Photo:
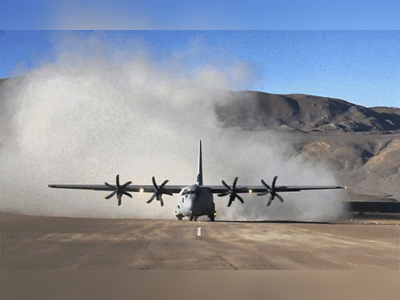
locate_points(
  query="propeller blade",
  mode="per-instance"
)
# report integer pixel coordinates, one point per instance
(265, 184)
(234, 183)
(163, 184)
(118, 190)
(232, 192)
(111, 195)
(151, 199)
(227, 186)
(268, 191)
(158, 191)
(263, 193)
(271, 190)
(279, 197)
(274, 181)
(126, 184)
(109, 185)
(127, 194)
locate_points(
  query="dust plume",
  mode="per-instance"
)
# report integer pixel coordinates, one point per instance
(98, 111)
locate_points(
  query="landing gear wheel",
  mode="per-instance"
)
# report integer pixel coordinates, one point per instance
(212, 218)
(179, 218)
(191, 217)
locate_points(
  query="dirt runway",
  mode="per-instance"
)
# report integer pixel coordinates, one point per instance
(31, 242)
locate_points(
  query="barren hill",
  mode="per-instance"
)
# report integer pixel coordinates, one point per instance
(361, 144)
(256, 110)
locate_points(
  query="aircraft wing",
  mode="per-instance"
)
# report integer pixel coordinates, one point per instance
(130, 188)
(261, 190)
(125, 189)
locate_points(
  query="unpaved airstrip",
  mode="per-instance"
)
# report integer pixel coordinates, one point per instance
(33, 242)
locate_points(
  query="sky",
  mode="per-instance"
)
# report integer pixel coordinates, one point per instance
(210, 15)
(361, 67)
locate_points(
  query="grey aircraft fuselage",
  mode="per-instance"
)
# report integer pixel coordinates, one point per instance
(195, 201)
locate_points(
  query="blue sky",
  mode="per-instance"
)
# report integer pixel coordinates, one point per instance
(362, 67)
(183, 14)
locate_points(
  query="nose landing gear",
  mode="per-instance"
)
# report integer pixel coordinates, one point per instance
(212, 216)
(179, 216)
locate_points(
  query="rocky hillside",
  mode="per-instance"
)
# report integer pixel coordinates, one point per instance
(361, 144)
(256, 110)
(368, 164)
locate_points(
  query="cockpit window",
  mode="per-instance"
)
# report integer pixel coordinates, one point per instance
(188, 193)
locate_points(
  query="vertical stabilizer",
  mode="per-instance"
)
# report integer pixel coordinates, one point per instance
(200, 167)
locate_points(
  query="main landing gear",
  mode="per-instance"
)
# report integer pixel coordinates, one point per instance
(193, 217)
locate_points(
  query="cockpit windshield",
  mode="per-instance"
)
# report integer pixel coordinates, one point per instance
(188, 192)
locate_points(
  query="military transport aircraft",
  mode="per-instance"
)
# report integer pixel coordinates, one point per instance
(195, 200)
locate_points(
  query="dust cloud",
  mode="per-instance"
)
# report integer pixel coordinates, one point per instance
(96, 112)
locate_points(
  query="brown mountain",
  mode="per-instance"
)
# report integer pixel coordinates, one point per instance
(256, 110)
(361, 144)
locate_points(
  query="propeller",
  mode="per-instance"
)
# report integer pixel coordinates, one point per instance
(271, 190)
(158, 192)
(119, 190)
(232, 192)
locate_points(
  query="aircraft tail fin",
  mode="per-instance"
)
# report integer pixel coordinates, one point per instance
(200, 167)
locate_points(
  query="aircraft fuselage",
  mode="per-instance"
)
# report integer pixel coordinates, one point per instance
(195, 201)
